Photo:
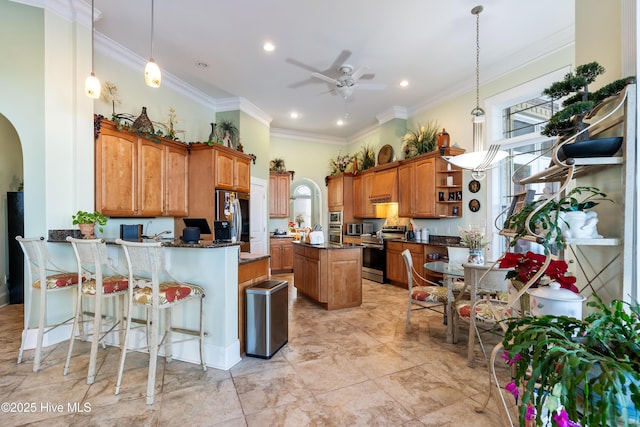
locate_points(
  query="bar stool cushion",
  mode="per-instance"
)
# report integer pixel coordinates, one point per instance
(61, 280)
(110, 284)
(437, 294)
(169, 292)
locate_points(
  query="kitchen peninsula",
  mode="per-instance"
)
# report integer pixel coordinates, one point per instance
(214, 267)
(328, 273)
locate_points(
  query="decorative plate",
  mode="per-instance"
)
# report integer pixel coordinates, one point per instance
(474, 186)
(474, 205)
(385, 154)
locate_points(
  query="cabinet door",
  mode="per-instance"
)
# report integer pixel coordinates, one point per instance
(425, 189)
(242, 175)
(224, 169)
(406, 190)
(312, 277)
(177, 182)
(396, 270)
(385, 186)
(287, 256)
(279, 195)
(417, 255)
(299, 270)
(276, 256)
(151, 178)
(358, 196)
(116, 164)
(369, 207)
(335, 193)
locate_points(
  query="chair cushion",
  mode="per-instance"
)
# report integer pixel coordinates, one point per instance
(110, 284)
(57, 281)
(435, 294)
(483, 313)
(170, 292)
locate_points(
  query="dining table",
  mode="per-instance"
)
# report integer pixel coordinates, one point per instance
(451, 274)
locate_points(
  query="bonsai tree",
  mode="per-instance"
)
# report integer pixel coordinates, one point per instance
(546, 220)
(569, 120)
(82, 217)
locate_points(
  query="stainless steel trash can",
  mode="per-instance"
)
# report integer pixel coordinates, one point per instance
(267, 323)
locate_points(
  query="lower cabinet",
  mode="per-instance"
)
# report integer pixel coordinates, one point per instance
(396, 269)
(281, 251)
(332, 277)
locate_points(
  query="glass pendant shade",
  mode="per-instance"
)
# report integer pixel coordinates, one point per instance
(92, 86)
(152, 75)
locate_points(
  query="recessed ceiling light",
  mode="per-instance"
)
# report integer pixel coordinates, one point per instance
(269, 47)
(404, 83)
(293, 115)
(340, 122)
(201, 64)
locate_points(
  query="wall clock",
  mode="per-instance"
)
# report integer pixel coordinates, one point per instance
(474, 186)
(474, 205)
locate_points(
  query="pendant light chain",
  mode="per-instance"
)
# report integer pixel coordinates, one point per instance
(478, 59)
(152, 28)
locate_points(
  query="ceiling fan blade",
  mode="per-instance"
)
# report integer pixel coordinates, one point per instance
(372, 86)
(341, 59)
(325, 78)
(301, 65)
(357, 74)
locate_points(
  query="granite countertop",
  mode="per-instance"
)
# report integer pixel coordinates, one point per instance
(246, 257)
(60, 236)
(328, 245)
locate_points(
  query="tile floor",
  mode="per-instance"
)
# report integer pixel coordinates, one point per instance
(352, 367)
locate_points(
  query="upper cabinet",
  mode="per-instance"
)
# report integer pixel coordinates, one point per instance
(448, 182)
(232, 170)
(340, 195)
(362, 205)
(279, 190)
(385, 186)
(135, 176)
(415, 198)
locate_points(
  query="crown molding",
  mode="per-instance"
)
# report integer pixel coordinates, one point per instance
(395, 112)
(244, 105)
(306, 136)
(70, 10)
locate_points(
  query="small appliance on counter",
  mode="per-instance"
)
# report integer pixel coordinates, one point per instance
(316, 238)
(191, 235)
(359, 228)
(280, 232)
(222, 230)
(131, 232)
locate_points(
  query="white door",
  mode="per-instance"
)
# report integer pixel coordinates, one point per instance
(258, 216)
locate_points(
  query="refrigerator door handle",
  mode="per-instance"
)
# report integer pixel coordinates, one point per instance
(237, 219)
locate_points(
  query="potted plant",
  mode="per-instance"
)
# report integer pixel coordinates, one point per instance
(420, 141)
(86, 221)
(340, 163)
(549, 216)
(366, 158)
(568, 371)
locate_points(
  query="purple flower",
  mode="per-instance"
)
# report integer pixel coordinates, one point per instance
(562, 419)
(513, 389)
(510, 361)
(531, 412)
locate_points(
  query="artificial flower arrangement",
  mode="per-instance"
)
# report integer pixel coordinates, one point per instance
(340, 163)
(569, 372)
(292, 226)
(525, 266)
(473, 236)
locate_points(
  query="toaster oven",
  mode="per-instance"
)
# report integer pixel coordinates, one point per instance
(359, 228)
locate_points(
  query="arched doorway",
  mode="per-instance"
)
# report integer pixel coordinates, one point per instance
(305, 202)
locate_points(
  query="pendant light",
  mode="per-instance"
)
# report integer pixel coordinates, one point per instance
(152, 76)
(92, 84)
(478, 160)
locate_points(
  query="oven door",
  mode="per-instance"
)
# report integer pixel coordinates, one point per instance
(335, 234)
(374, 263)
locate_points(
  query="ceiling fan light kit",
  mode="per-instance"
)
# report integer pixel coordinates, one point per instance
(478, 160)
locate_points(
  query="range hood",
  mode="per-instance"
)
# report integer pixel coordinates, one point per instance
(385, 186)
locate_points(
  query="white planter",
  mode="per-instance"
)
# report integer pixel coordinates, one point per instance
(555, 301)
(579, 224)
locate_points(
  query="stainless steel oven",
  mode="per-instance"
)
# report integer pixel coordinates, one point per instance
(374, 258)
(335, 233)
(335, 218)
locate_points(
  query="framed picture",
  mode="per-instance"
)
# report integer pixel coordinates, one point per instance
(519, 201)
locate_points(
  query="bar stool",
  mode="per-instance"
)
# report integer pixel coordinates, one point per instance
(56, 279)
(155, 289)
(102, 282)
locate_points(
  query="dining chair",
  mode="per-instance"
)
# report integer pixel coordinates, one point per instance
(486, 284)
(423, 293)
(46, 278)
(153, 287)
(102, 283)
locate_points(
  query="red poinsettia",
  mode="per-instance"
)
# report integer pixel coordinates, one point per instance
(525, 266)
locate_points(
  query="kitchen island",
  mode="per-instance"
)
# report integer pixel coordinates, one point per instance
(330, 274)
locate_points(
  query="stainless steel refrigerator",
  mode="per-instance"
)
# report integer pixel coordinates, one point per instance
(234, 207)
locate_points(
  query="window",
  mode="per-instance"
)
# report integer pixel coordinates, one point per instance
(301, 209)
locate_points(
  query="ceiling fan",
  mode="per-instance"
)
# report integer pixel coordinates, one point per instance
(347, 81)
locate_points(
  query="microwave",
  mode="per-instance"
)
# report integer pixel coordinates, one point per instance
(358, 228)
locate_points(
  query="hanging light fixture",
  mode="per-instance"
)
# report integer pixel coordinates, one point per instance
(478, 160)
(92, 84)
(152, 76)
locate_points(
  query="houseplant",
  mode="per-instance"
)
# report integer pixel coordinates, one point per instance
(420, 141)
(474, 238)
(366, 158)
(577, 371)
(86, 221)
(545, 218)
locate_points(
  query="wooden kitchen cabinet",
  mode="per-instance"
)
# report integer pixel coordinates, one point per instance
(417, 188)
(384, 188)
(362, 206)
(136, 176)
(231, 171)
(281, 251)
(279, 193)
(396, 268)
(448, 186)
(340, 193)
(332, 277)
